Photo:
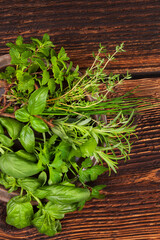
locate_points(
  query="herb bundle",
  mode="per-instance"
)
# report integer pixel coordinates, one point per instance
(53, 137)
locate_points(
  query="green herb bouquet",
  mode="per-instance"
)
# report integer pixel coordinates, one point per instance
(58, 132)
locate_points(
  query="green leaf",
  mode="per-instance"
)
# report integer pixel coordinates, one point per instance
(51, 85)
(19, 212)
(88, 148)
(40, 63)
(22, 115)
(15, 166)
(26, 55)
(45, 38)
(38, 124)
(37, 41)
(19, 40)
(29, 184)
(6, 141)
(62, 194)
(58, 210)
(46, 224)
(26, 82)
(12, 125)
(15, 56)
(44, 155)
(95, 192)
(37, 101)
(45, 77)
(91, 174)
(42, 178)
(26, 155)
(27, 139)
(54, 176)
(87, 163)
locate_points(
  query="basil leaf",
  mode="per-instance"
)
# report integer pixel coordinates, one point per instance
(27, 156)
(58, 210)
(29, 184)
(19, 212)
(27, 139)
(37, 101)
(22, 115)
(46, 224)
(38, 124)
(18, 167)
(5, 141)
(62, 194)
(12, 125)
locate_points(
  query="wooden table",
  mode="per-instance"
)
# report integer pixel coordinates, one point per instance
(131, 209)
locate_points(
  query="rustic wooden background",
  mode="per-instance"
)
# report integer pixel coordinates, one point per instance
(131, 209)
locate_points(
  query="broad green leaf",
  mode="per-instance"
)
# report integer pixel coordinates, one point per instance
(19, 212)
(27, 139)
(30, 184)
(46, 224)
(26, 155)
(12, 125)
(62, 194)
(38, 124)
(22, 115)
(6, 141)
(18, 167)
(37, 101)
(58, 210)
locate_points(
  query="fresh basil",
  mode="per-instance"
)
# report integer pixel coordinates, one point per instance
(19, 212)
(27, 139)
(12, 125)
(37, 101)
(18, 167)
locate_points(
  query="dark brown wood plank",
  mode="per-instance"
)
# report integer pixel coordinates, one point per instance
(80, 26)
(131, 209)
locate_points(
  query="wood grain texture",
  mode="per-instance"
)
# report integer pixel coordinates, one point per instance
(131, 209)
(81, 25)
